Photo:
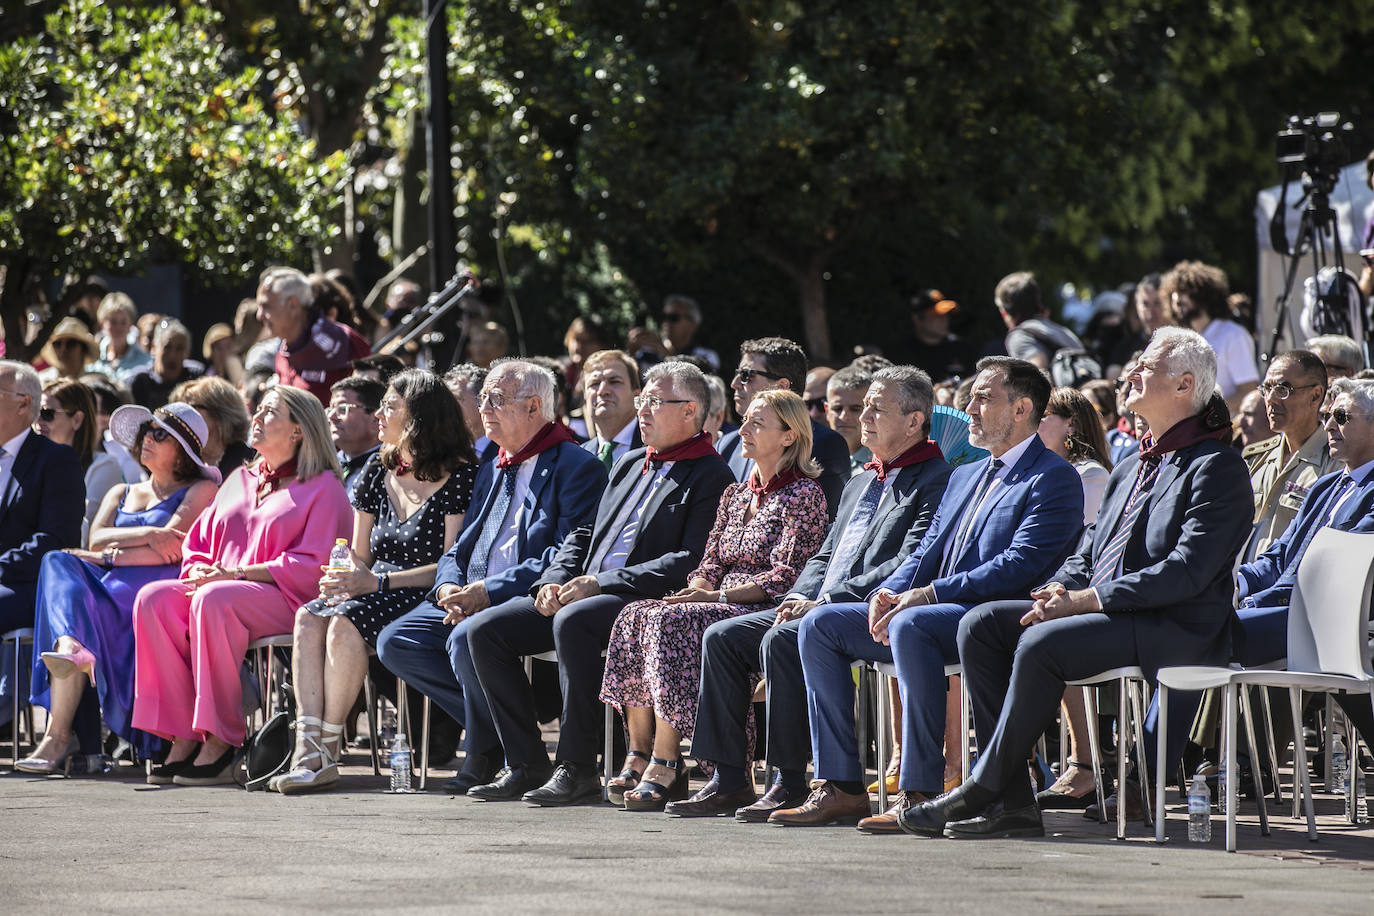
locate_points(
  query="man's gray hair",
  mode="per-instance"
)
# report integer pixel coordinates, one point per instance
(534, 381)
(913, 389)
(688, 381)
(25, 380)
(1337, 350)
(470, 375)
(1184, 351)
(688, 303)
(850, 378)
(719, 395)
(284, 283)
(1361, 392)
(168, 328)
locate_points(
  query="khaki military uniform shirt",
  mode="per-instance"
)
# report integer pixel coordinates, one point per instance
(1280, 489)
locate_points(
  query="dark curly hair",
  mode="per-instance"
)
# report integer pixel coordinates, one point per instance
(435, 434)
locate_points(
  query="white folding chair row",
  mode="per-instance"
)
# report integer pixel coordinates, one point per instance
(1328, 652)
(1131, 707)
(886, 670)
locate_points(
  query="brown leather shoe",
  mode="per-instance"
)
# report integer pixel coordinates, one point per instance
(887, 821)
(825, 805)
(711, 802)
(774, 799)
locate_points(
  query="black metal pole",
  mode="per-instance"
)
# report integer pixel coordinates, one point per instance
(443, 258)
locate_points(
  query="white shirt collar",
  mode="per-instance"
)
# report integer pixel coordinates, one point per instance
(1013, 454)
(1357, 474)
(13, 446)
(626, 436)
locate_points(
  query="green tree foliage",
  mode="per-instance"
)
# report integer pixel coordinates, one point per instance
(129, 141)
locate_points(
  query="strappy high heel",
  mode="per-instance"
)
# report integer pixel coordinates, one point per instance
(654, 796)
(317, 741)
(627, 778)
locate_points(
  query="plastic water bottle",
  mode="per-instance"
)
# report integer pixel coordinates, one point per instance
(1359, 812)
(1199, 811)
(1338, 763)
(340, 561)
(400, 764)
(1222, 797)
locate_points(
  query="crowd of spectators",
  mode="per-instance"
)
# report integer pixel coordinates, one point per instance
(1039, 507)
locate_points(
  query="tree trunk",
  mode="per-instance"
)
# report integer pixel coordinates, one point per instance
(13, 306)
(815, 326)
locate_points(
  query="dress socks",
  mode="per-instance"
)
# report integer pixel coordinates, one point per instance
(793, 782)
(851, 787)
(730, 778)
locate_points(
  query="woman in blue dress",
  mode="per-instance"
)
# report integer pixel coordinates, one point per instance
(85, 597)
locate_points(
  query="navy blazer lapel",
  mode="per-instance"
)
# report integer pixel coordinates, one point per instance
(660, 493)
(19, 470)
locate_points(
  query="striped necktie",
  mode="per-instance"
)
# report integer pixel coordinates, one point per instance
(848, 549)
(1105, 565)
(492, 525)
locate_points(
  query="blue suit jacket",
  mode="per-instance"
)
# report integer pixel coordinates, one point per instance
(564, 492)
(1264, 579)
(828, 448)
(1175, 579)
(41, 509)
(1025, 528)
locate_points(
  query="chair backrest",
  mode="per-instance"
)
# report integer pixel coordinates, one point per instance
(1327, 618)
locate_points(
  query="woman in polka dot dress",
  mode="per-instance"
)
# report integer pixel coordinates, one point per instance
(409, 506)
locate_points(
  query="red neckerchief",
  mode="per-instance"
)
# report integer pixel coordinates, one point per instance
(921, 451)
(270, 478)
(1214, 422)
(779, 481)
(552, 434)
(699, 446)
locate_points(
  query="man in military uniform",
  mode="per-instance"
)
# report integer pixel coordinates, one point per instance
(1283, 467)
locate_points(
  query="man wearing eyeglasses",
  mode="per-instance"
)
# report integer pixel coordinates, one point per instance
(649, 533)
(776, 362)
(541, 486)
(1284, 467)
(353, 403)
(42, 504)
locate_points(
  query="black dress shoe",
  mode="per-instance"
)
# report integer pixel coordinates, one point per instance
(930, 818)
(571, 784)
(711, 802)
(998, 822)
(775, 799)
(511, 783)
(478, 769)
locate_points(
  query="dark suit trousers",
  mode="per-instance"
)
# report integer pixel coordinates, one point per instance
(16, 611)
(731, 651)
(1016, 677)
(498, 641)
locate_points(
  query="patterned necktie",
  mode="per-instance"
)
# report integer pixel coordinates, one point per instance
(956, 544)
(1327, 513)
(492, 525)
(1106, 563)
(843, 558)
(607, 453)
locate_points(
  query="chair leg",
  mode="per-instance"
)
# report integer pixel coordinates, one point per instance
(1328, 742)
(1122, 718)
(1161, 730)
(370, 700)
(861, 701)
(1063, 739)
(1090, 709)
(1138, 714)
(1255, 768)
(424, 745)
(880, 690)
(767, 765)
(607, 749)
(14, 722)
(1269, 740)
(965, 714)
(1303, 778)
(402, 708)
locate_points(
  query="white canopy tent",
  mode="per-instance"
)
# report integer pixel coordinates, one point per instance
(1354, 205)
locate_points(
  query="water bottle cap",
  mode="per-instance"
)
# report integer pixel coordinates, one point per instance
(341, 540)
(400, 736)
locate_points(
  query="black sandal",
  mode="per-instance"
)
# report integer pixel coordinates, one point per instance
(654, 796)
(627, 778)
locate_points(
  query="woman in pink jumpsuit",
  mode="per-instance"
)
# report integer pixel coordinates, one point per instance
(251, 559)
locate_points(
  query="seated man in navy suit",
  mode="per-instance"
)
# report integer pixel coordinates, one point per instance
(1150, 586)
(1003, 525)
(649, 533)
(42, 503)
(775, 362)
(540, 487)
(884, 514)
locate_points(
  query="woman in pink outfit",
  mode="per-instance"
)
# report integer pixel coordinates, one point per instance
(251, 559)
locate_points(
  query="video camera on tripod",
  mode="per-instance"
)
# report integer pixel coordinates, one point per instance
(1313, 149)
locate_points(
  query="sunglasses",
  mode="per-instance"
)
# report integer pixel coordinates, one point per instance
(1341, 416)
(744, 374)
(47, 414)
(815, 403)
(673, 317)
(156, 433)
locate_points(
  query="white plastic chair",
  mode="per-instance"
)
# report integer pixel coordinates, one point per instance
(885, 670)
(1327, 653)
(1130, 709)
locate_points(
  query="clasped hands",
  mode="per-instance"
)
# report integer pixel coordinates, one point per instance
(203, 574)
(886, 604)
(462, 601)
(552, 598)
(1054, 600)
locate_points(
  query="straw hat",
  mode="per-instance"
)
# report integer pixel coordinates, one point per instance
(214, 335)
(182, 420)
(70, 329)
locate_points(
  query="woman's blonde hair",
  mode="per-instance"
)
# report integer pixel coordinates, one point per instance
(791, 410)
(316, 452)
